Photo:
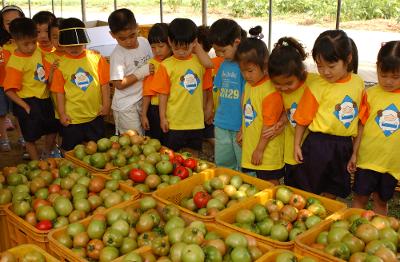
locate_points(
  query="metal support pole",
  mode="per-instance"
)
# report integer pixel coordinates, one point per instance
(204, 12)
(161, 12)
(115, 4)
(269, 25)
(29, 7)
(52, 5)
(83, 7)
(339, 8)
(2, 2)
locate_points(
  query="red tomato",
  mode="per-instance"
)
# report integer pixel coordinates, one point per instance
(54, 188)
(201, 199)
(40, 202)
(179, 159)
(368, 214)
(169, 152)
(181, 172)
(137, 175)
(190, 163)
(44, 225)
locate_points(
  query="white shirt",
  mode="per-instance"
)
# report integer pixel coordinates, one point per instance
(124, 62)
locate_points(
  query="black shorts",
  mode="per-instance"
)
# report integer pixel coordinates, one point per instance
(153, 115)
(40, 121)
(75, 134)
(290, 178)
(178, 139)
(324, 168)
(368, 181)
(266, 174)
(208, 131)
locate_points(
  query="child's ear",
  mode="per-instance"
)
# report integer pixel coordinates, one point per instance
(349, 59)
(236, 42)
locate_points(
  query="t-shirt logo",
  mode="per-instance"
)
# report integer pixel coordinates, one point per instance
(347, 111)
(249, 113)
(40, 74)
(388, 120)
(190, 81)
(290, 113)
(82, 79)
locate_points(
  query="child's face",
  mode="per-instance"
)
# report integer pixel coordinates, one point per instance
(75, 50)
(54, 35)
(43, 36)
(227, 52)
(161, 50)
(332, 71)
(251, 72)
(181, 51)
(8, 17)
(26, 45)
(127, 38)
(389, 81)
(285, 83)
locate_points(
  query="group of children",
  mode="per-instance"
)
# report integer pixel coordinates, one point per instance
(271, 118)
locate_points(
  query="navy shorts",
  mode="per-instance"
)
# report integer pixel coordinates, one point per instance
(40, 121)
(153, 115)
(75, 134)
(178, 139)
(368, 181)
(5, 103)
(266, 174)
(324, 168)
(208, 131)
(290, 178)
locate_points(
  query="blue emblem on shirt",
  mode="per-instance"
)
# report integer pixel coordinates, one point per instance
(290, 113)
(40, 74)
(346, 111)
(388, 120)
(190, 81)
(249, 113)
(81, 79)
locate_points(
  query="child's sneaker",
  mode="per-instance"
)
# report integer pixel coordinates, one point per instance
(55, 153)
(21, 142)
(5, 145)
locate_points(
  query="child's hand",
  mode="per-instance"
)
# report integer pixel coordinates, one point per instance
(256, 158)
(164, 125)
(65, 120)
(268, 132)
(208, 116)
(239, 137)
(55, 64)
(351, 165)
(298, 154)
(151, 69)
(104, 111)
(145, 122)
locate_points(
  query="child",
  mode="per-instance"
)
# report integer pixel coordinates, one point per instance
(81, 86)
(329, 108)
(262, 109)
(7, 14)
(226, 35)
(288, 75)
(182, 82)
(150, 117)
(25, 85)
(374, 159)
(43, 20)
(129, 66)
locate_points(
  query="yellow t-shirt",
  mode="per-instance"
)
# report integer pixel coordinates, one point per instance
(26, 74)
(50, 58)
(147, 82)
(262, 105)
(184, 82)
(380, 141)
(80, 79)
(331, 108)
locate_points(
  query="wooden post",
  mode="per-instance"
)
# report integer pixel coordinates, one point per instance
(83, 7)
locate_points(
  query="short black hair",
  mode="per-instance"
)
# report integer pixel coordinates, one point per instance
(224, 32)
(23, 27)
(158, 33)
(71, 23)
(389, 57)
(56, 24)
(182, 31)
(121, 19)
(203, 37)
(4, 35)
(44, 17)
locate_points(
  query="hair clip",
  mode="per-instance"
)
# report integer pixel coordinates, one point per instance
(259, 36)
(284, 43)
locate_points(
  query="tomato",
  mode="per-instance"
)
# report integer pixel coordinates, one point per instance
(40, 202)
(288, 213)
(265, 226)
(201, 199)
(145, 223)
(273, 205)
(174, 222)
(46, 213)
(339, 250)
(145, 239)
(181, 172)
(96, 184)
(245, 216)
(60, 222)
(147, 203)
(236, 240)
(96, 229)
(240, 254)
(192, 253)
(121, 226)
(192, 236)
(128, 245)
(169, 211)
(164, 167)
(160, 246)
(74, 229)
(63, 206)
(217, 243)
(113, 238)
(93, 248)
(31, 218)
(64, 240)
(21, 208)
(190, 163)
(169, 152)
(283, 194)
(279, 232)
(355, 244)
(33, 256)
(312, 221)
(44, 225)
(368, 214)
(179, 159)
(108, 253)
(80, 240)
(386, 254)
(317, 209)
(212, 254)
(367, 233)
(336, 234)
(137, 175)
(297, 201)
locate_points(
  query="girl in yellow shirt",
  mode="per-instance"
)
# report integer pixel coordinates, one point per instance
(262, 108)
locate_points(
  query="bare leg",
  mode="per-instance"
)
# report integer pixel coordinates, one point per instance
(328, 195)
(359, 201)
(49, 142)
(274, 181)
(3, 131)
(380, 206)
(32, 150)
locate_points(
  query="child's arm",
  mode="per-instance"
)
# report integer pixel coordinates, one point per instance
(277, 128)
(163, 99)
(64, 118)
(205, 60)
(208, 105)
(298, 137)
(19, 101)
(143, 115)
(105, 97)
(256, 158)
(53, 67)
(351, 166)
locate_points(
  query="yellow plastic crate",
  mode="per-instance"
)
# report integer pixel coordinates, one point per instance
(21, 250)
(272, 255)
(4, 239)
(174, 193)
(71, 157)
(227, 216)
